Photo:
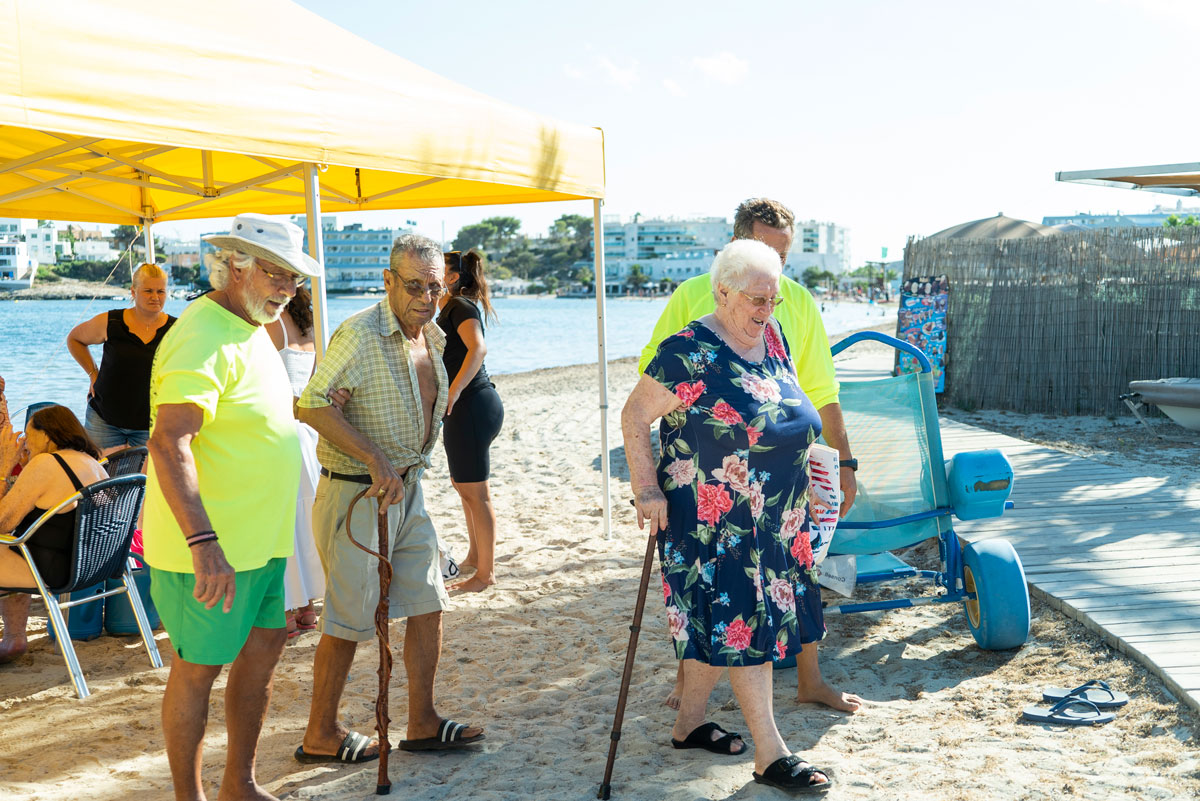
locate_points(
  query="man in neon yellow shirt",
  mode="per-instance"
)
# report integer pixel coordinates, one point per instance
(221, 497)
(772, 223)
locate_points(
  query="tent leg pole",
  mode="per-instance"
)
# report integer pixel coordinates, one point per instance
(148, 235)
(316, 249)
(598, 282)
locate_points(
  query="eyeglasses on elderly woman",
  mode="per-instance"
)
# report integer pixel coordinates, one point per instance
(759, 300)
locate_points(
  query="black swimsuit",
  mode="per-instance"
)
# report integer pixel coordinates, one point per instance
(478, 414)
(51, 546)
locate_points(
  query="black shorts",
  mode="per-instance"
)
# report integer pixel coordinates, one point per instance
(468, 433)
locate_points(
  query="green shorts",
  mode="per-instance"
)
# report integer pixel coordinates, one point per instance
(210, 636)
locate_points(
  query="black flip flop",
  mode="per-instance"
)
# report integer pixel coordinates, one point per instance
(350, 752)
(701, 737)
(449, 737)
(1096, 691)
(785, 773)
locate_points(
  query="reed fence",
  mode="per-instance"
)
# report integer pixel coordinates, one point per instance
(1061, 324)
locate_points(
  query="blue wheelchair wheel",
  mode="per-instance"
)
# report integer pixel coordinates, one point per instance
(999, 615)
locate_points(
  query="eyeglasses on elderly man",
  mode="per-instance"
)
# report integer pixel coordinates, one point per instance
(284, 279)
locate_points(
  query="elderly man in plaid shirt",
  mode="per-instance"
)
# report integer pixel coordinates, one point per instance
(389, 359)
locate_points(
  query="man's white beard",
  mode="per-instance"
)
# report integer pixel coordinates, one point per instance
(256, 307)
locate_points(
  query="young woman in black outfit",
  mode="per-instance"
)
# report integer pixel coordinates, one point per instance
(61, 460)
(474, 413)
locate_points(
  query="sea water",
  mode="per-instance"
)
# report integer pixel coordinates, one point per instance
(531, 333)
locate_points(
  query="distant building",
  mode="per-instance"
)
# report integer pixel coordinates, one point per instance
(819, 245)
(40, 240)
(673, 249)
(95, 250)
(17, 269)
(355, 257)
(1152, 219)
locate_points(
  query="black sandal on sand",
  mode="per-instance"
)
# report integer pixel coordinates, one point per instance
(350, 751)
(449, 736)
(786, 774)
(701, 737)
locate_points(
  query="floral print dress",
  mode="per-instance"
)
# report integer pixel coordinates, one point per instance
(737, 562)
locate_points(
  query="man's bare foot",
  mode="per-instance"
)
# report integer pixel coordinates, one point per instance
(474, 584)
(417, 732)
(834, 699)
(12, 649)
(329, 745)
(250, 791)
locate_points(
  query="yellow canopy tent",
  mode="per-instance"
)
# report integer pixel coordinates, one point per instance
(128, 111)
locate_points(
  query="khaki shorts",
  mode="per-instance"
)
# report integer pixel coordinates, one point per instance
(352, 576)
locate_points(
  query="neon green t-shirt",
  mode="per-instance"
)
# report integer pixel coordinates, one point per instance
(247, 452)
(798, 316)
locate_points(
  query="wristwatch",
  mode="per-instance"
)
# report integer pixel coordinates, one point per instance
(851, 463)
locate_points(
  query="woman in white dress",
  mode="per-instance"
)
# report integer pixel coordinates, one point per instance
(304, 579)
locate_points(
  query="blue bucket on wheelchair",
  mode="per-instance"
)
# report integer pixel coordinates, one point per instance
(84, 622)
(118, 613)
(979, 483)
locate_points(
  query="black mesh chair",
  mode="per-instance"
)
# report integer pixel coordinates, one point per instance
(126, 461)
(104, 520)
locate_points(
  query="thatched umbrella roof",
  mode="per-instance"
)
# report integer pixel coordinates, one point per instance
(998, 227)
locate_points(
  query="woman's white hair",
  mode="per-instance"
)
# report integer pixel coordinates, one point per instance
(741, 261)
(218, 265)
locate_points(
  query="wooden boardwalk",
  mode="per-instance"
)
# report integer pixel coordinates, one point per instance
(1116, 549)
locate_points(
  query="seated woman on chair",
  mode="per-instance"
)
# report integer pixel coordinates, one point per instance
(61, 460)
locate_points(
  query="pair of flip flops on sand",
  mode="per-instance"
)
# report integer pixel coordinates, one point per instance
(1082, 706)
(789, 773)
(449, 736)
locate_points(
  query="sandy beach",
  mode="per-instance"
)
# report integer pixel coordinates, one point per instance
(537, 661)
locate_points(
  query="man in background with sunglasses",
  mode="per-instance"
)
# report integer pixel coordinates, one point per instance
(389, 358)
(772, 223)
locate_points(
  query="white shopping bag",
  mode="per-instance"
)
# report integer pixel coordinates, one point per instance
(840, 574)
(824, 497)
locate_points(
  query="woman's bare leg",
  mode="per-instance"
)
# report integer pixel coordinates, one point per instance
(481, 528)
(14, 608)
(752, 687)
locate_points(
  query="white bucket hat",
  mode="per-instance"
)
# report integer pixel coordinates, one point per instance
(271, 240)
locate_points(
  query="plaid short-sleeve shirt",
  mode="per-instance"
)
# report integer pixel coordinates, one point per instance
(369, 355)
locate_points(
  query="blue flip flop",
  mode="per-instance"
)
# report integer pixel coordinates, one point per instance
(1096, 691)
(1068, 712)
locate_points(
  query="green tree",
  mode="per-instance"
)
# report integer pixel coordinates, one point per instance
(1191, 220)
(637, 276)
(585, 276)
(122, 236)
(506, 230)
(474, 236)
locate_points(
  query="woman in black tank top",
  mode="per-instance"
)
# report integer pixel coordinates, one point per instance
(118, 412)
(474, 414)
(53, 436)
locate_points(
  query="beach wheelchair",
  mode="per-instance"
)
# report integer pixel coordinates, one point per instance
(907, 494)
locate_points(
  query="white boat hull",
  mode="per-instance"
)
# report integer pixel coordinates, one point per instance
(1188, 418)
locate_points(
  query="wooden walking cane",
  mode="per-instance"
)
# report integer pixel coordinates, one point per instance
(619, 717)
(383, 785)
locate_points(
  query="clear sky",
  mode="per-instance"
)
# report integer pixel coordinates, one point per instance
(890, 118)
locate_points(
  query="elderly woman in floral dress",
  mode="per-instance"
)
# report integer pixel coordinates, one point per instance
(729, 502)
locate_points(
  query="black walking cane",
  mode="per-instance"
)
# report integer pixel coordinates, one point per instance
(383, 785)
(619, 717)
